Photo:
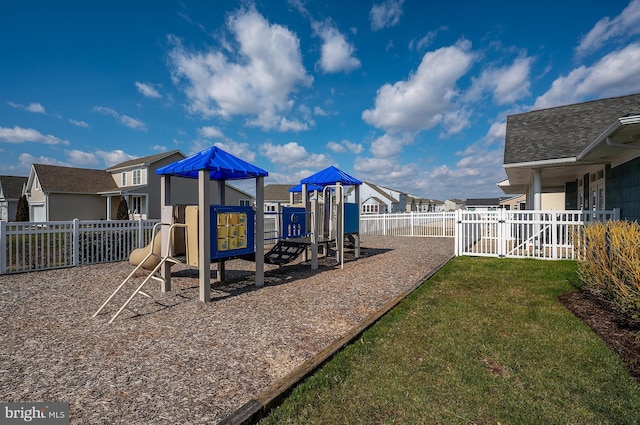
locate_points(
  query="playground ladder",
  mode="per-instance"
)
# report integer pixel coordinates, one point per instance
(153, 274)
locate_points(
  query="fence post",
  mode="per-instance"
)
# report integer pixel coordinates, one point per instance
(457, 232)
(554, 234)
(140, 233)
(3, 247)
(616, 213)
(76, 242)
(412, 224)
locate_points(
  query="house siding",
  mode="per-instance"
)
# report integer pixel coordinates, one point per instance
(69, 206)
(622, 189)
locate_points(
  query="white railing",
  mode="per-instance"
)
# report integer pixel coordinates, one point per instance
(408, 224)
(523, 234)
(31, 246)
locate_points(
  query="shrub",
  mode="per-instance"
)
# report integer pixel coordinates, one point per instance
(22, 212)
(123, 210)
(610, 264)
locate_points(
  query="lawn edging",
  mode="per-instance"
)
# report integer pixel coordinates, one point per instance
(252, 411)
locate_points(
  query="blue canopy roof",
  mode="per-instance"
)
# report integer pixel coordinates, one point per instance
(221, 165)
(331, 175)
(310, 188)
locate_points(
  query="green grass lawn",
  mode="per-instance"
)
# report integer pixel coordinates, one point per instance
(485, 341)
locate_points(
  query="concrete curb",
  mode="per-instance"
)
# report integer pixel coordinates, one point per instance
(255, 409)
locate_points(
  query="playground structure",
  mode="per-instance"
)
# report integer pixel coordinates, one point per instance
(205, 233)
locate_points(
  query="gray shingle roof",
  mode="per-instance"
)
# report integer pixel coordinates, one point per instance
(482, 202)
(12, 186)
(145, 160)
(277, 192)
(54, 178)
(564, 131)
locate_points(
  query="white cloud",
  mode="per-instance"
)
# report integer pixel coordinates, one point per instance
(385, 15)
(26, 160)
(254, 77)
(389, 145)
(22, 135)
(336, 147)
(320, 112)
(241, 150)
(420, 102)
(32, 107)
(81, 158)
(337, 55)
(148, 90)
(114, 157)
(345, 145)
(626, 24)
(210, 132)
(617, 73)
(78, 123)
(292, 155)
(507, 84)
(125, 120)
(426, 40)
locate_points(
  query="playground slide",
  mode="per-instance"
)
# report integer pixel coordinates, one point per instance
(139, 255)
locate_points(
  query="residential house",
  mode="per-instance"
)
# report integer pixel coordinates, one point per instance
(550, 201)
(589, 151)
(482, 204)
(64, 193)
(11, 188)
(276, 195)
(415, 204)
(449, 205)
(376, 199)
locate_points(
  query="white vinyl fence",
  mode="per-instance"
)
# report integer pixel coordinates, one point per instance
(408, 224)
(26, 246)
(523, 234)
(517, 234)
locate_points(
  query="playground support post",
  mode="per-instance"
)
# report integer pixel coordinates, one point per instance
(165, 204)
(204, 240)
(259, 240)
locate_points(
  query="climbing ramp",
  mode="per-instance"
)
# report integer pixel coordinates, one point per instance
(284, 252)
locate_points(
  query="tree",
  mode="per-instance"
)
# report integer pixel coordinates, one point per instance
(22, 211)
(123, 210)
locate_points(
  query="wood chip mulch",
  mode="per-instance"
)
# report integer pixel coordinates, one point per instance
(179, 360)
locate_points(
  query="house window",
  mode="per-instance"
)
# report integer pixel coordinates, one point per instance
(136, 205)
(124, 179)
(245, 202)
(137, 177)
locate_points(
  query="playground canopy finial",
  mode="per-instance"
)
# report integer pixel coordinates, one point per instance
(331, 175)
(220, 164)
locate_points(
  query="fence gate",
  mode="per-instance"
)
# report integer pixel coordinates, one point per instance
(523, 234)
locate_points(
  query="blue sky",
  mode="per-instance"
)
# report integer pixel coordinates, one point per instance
(409, 94)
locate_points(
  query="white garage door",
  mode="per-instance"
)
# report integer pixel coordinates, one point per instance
(38, 213)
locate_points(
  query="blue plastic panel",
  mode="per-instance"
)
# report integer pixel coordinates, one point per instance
(351, 218)
(294, 222)
(232, 231)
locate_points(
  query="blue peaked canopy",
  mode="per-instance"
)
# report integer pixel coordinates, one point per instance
(220, 164)
(330, 175)
(310, 188)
